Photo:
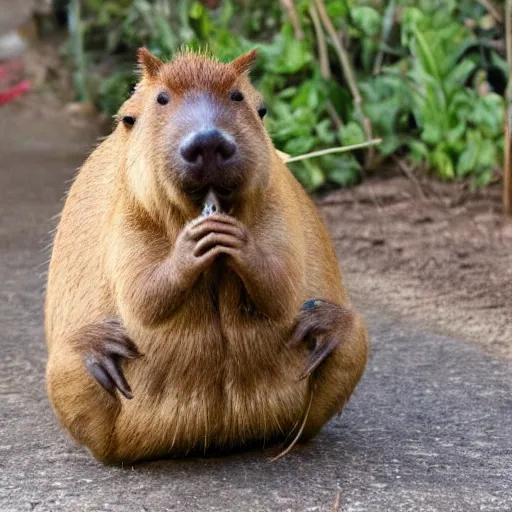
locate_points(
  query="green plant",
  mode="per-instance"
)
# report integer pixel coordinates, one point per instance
(419, 74)
(461, 130)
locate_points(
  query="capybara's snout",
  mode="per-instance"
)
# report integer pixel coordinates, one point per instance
(206, 151)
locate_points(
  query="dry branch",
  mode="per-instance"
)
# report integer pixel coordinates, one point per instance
(329, 151)
(347, 70)
(322, 46)
(290, 7)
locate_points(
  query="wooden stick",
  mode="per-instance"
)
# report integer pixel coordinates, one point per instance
(408, 172)
(329, 151)
(336, 119)
(322, 46)
(345, 64)
(349, 76)
(290, 7)
(507, 170)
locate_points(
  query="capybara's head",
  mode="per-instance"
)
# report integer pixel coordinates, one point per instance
(195, 124)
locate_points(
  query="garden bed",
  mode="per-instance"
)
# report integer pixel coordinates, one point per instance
(430, 252)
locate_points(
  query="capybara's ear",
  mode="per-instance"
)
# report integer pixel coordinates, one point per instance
(244, 63)
(148, 63)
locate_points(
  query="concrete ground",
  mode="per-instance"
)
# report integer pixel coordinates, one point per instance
(429, 428)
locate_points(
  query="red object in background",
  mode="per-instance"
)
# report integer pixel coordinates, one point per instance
(12, 83)
(14, 91)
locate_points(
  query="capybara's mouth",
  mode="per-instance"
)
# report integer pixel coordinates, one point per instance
(225, 195)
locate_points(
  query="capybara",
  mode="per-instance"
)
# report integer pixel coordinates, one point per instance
(194, 300)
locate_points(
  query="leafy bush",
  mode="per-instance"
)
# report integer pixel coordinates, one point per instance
(428, 72)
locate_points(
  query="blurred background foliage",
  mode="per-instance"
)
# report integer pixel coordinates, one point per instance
(431, 74)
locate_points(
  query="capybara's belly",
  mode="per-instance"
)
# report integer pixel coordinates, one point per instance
(205, 391)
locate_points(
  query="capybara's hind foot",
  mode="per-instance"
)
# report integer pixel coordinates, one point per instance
(103, 347)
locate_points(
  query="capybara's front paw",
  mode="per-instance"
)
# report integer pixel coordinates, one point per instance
(321, 326)
(103, 348)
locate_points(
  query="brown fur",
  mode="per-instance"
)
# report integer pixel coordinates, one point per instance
(217, 369)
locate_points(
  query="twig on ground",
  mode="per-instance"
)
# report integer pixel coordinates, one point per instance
(337, 504)
(290, 7)
(322, 46)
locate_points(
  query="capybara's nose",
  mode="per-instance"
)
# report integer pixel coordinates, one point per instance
(207, 147)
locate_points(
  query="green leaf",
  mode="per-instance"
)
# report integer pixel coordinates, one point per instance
(390, 144)
(487, 156)
(411, 17)
(343, 170)
(352, 133)
(456, 134)
(325, 132)
(467, 160)
(489, 114)
(367, 19)
(443, 164)
(309, 174)
(196, 10)
(419, 151)
(369, 49)
(336, 9)
(299, 145)
(289, 55)
(227, 13)
(287, 93)
(457, 77)
(307, 95)
(423, 52)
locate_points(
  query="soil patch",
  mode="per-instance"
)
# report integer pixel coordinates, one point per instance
(431, 252)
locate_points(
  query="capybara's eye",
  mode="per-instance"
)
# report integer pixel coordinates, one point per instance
(236, 95)
(163, 98)
(129, 120)
(262, 112)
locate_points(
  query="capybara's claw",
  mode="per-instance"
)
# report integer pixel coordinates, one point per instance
(104, 346)
(321, 326)
(323, 347)
(106, 369)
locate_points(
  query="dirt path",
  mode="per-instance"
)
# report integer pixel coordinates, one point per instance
(444, 259)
